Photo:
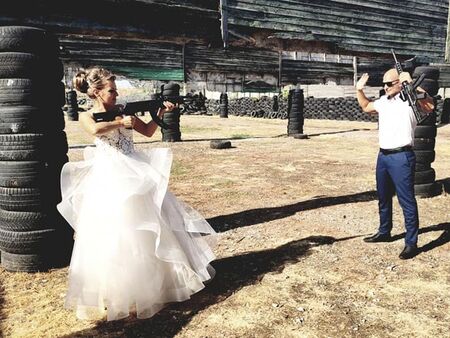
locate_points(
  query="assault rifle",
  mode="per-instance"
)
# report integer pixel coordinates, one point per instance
(132, 108)
(409, 92)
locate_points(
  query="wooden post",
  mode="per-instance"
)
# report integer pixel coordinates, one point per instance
(447, 40)
(280, 65)
(184, 62)
(224, 22)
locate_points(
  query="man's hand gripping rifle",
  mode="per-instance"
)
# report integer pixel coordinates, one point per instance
(409, 93)
(132, 108)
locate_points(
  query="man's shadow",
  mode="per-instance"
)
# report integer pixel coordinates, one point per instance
(232, 274)
(249, 217)
(441, 240)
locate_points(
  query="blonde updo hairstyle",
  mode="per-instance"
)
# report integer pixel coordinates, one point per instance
(86, 81)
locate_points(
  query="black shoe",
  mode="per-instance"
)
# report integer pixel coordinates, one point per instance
(408, 252)
(378, 238)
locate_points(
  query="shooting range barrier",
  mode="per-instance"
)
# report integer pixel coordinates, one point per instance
(33, 149)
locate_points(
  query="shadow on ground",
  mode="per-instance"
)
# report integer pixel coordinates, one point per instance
(232, 274)
(84, 145)
(340, 132)
(444, 237)
(260, 215)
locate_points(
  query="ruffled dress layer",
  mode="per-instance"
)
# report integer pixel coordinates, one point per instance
(137, 246)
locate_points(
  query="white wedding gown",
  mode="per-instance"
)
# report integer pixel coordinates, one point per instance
(137, 246)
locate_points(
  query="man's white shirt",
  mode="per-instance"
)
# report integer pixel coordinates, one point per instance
(396, 122)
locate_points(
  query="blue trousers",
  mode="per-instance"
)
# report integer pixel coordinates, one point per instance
(395, 173)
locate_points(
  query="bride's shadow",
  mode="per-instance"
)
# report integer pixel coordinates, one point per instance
(232, 274)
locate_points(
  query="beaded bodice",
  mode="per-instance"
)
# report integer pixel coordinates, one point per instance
(120, 140)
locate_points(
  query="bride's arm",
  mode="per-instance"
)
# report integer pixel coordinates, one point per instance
(98, 128)
(149, 128)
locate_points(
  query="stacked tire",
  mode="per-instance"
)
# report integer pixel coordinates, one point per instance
(296, 105)
(223, 105)
(72, 105)
(33, 149)
(275, 104)
(425, 184)
(171, 119)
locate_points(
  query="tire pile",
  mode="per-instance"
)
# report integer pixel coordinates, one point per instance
(442, 110)
(339, 108)
(264, 107)
(172, 118)
(296, 105)
(212, 106)
(223, 105)
(336, 108)
(425, 184)
(33, 149)
(194, 104)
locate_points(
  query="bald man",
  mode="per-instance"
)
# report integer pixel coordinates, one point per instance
(396, 159)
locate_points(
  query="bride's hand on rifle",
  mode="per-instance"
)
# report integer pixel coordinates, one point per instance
(168, 107)
(127, 121)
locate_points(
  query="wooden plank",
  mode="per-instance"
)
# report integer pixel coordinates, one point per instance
(417, 26)
(224, 22)
(200, 58)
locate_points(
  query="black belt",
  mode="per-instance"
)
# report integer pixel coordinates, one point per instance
(395, 150)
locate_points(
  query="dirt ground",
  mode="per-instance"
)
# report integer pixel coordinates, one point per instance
(291, 261)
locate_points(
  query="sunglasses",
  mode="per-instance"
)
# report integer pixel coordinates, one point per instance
(390, 83)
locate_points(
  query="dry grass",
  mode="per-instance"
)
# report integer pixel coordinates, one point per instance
(291, 261)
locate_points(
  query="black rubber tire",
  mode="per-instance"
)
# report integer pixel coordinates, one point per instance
(21, 147)
(25, 262)
(430, 86)
(446, 185)
(428, 190)
(19, 119)
(424, 143)
(430, 120)
(425, 156)
(300, 136)
(424, 177)
(429, 71)
(17, 92)
(21, 174)
(24, 221)
(21, 199)
(220, 144)
(27, 242)
(28, 39)
(30, 66)
(422, 166)
(170, 86)
(18, 65)
(425, 132)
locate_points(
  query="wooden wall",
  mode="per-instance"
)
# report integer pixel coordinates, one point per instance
(182, 39)
(131, 58)
(412, 27)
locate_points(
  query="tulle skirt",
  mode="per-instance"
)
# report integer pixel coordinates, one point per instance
(137, 246)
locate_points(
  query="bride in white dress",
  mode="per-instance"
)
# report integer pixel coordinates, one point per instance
(137, 247)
